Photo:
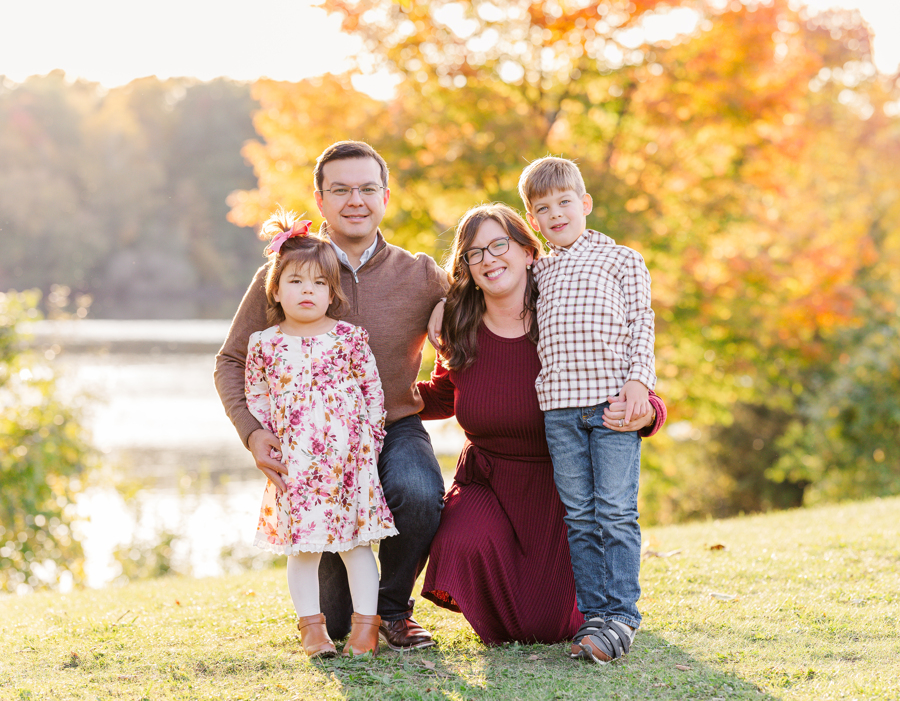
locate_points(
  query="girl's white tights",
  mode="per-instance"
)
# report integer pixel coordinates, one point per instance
(362, 575)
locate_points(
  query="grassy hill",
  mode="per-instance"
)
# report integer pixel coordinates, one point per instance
(802, 604)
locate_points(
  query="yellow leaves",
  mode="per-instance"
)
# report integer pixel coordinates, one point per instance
(752, 198)
(296, 122)
(559, 135)
(637, 204)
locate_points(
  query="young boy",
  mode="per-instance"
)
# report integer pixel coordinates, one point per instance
(596, 341)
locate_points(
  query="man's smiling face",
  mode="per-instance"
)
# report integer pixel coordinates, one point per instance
(353, 219)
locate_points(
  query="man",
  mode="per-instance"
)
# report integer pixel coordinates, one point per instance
(392, 294)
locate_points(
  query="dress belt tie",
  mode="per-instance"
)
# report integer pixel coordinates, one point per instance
(477, 464)
(474, 465)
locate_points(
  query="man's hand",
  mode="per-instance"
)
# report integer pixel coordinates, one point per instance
(434, 325)
(636, 399)
(266, 450)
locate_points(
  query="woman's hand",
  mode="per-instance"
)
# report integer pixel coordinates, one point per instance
(614, 416)
(434, 325)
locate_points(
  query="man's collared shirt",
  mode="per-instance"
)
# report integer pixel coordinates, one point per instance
(595, 322)
(363, 259)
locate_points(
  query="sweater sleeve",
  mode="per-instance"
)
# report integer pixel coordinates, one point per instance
(438, 281)
(439, 394)
(660, 406)
(231, 358)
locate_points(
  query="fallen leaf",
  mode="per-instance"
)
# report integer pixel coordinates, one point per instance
(683, 667)
(249, 592)
(428, 664)
(717, 546)
(533, 658)
(722, 597)
(177, 602)
(655, 553)
(658, 685)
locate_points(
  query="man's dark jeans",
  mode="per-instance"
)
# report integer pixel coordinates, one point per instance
(414, 490)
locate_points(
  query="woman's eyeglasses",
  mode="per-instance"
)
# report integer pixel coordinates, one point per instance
(497, 247)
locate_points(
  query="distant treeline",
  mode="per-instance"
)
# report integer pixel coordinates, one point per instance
(120, 194)
(753, 164)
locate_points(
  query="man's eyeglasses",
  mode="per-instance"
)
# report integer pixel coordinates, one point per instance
(497, 247)
(342, 192)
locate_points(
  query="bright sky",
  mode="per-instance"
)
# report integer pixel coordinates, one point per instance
(115, 41)
(884, 18)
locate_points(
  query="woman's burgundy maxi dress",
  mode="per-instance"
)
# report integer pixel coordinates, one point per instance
(500, 555)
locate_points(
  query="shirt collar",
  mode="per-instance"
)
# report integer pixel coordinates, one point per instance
(584, 242)
(363, 259)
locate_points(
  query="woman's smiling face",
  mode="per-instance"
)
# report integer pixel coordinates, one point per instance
(500, 275)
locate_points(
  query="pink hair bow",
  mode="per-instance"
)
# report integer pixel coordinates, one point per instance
(298, 228)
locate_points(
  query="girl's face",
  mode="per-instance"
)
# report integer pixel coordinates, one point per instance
(304, 295)
(504, 274)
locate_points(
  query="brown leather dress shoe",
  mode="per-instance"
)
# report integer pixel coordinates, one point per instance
(363, 635)
(405, 634)
(314, 636)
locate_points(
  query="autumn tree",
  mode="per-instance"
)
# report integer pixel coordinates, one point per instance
(721, 155)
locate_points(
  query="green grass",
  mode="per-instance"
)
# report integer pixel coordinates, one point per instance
(797, 605)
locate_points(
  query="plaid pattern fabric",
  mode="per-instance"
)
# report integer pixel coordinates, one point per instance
(595, 321)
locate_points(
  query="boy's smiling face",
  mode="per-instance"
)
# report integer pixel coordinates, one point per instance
(560, 216)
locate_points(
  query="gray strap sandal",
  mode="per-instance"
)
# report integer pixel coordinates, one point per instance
(601, 641)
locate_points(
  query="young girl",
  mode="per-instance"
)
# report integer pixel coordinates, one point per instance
(312, 381)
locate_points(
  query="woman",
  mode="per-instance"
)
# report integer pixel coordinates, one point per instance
(500, 556)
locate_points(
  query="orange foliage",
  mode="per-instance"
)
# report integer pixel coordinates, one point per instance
(757, 190)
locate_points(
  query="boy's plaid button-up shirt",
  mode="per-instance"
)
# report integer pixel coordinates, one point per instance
(595, 321)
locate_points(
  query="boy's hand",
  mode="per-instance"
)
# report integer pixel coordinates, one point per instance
(614, 417)
(434, 325)
(636, 396)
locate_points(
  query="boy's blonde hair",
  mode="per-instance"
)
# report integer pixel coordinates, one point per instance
(546, 174)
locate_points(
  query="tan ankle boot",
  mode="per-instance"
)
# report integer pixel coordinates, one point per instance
(363, 635)
(314, 636)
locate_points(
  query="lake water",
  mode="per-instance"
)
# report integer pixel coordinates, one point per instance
(153, 412)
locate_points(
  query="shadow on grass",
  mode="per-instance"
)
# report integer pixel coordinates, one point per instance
(655, 669)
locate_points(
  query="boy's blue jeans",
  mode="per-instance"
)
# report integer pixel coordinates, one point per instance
(596, 472)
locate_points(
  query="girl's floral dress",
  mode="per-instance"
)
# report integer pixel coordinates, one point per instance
(321, 395)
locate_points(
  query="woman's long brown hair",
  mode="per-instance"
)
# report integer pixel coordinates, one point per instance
(465, 307)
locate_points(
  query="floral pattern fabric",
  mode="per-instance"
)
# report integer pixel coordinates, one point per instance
(321, 395)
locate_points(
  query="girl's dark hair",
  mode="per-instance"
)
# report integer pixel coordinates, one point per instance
(300, 250)
(465, 307)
